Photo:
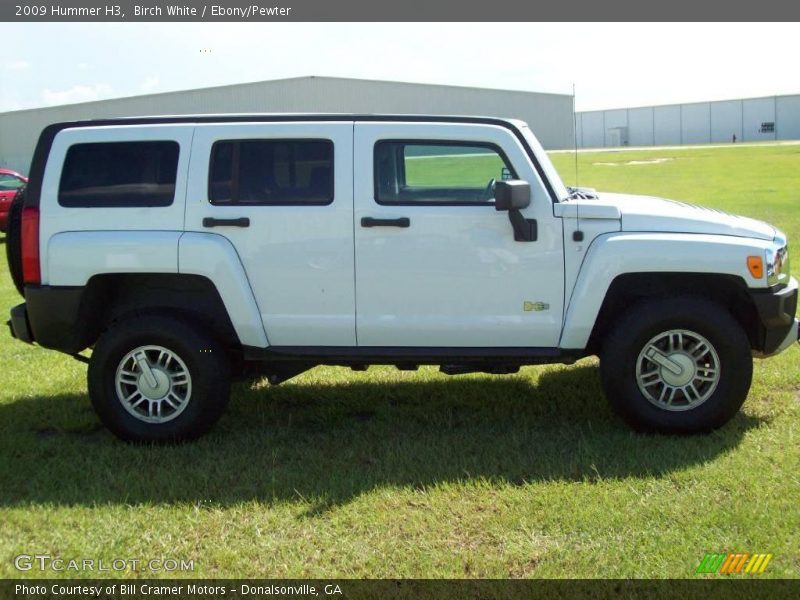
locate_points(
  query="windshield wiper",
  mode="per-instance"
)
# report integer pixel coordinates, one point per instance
(582, 193)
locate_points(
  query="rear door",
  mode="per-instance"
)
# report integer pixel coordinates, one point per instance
(436, 264)
(293, 183)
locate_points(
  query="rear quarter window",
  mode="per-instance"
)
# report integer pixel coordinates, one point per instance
(119, 174)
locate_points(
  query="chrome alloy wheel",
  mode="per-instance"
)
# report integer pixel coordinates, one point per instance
(153, 384)
(678, 370)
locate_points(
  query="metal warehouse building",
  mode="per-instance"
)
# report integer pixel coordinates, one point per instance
(549, 115)
(749, 119)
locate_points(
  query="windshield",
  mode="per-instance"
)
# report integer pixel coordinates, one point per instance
(548, 168)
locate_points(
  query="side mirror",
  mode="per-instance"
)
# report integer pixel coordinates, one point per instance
(512, 194)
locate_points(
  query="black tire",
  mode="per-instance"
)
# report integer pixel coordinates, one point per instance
(14, 239)
(645, 321)
(203, 357)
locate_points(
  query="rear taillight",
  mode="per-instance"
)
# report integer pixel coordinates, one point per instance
(29, 233)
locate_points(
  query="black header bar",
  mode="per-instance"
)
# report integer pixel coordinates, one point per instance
(261, 11)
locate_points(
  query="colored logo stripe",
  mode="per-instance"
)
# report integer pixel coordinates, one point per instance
(711, 563)
(758, 563)
(735, 562)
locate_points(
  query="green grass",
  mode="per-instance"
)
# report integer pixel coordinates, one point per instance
(455, 171)
(756, 181)
(394, 474)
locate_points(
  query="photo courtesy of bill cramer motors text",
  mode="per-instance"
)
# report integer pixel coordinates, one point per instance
(156, 590)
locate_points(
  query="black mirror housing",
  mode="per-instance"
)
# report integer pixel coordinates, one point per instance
(512, 194)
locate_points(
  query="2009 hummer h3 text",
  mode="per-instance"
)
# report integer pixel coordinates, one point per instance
(188, 250)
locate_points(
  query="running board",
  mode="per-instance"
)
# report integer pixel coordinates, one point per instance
(406, 355)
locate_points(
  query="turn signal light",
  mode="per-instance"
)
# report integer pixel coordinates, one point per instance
(755, 264)
(29, 231)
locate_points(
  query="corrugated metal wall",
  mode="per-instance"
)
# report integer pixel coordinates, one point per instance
(695, 123)
(549, 115)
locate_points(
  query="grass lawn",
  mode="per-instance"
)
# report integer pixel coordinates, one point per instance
(394, 474)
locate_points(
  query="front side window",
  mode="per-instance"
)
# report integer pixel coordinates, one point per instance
(438, 173)
(119, 174)
(271, 172)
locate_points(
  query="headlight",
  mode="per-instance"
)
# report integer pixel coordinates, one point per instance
(778, 261)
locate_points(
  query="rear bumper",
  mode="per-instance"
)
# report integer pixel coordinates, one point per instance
(19, 325)
(50, 317)
(776, 312)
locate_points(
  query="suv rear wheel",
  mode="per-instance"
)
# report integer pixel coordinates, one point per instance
(158, 379)
(676, 365)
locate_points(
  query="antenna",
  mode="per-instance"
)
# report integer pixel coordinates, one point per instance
(577, 235)
(575, 135)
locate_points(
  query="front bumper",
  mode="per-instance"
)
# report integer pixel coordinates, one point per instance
(776, 312)
(791, 337)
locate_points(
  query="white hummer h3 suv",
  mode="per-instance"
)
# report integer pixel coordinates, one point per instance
(188, 250)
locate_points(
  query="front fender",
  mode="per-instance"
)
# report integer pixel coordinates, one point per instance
(614, 254)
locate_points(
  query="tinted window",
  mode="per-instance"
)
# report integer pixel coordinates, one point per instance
(437, 172)
(119, 174)
(271, 172)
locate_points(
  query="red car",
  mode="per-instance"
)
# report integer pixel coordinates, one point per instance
(10, 182)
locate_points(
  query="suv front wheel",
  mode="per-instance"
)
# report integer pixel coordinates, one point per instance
(676, 365)
(158, 379)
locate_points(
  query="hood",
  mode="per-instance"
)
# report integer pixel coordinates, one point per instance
(646, 213)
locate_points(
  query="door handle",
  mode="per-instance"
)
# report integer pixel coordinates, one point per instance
(212, 222)
(373, 222)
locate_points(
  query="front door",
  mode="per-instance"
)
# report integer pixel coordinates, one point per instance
(436, 264)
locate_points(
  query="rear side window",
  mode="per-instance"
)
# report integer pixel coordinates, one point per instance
(119, 174)
(271, 172)
(438, 173)
(9, 182)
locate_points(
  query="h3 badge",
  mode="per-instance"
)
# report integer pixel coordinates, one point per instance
(529, 306)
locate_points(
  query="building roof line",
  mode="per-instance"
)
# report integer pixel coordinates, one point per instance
(250, 84)
(643, 106)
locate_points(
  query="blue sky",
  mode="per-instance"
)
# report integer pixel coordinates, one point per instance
(612, 65)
